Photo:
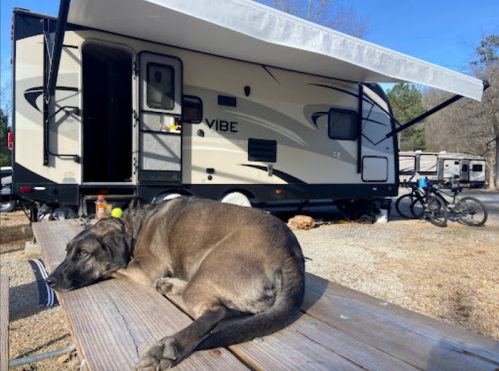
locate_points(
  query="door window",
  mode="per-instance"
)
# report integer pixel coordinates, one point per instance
(160, 86)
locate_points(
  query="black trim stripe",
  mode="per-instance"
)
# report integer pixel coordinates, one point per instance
(270, 73)
(280, 174)
(32, 94)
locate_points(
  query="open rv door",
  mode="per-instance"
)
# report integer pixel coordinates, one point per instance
(160, 100)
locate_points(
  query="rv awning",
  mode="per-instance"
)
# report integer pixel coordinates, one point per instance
(249, 31)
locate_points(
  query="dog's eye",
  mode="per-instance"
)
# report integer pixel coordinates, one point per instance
(83, 253)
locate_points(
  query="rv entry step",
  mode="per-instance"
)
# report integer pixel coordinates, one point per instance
(112, 201)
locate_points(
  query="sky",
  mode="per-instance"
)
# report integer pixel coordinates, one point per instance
(436, 31)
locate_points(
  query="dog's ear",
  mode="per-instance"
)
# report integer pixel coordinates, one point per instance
(119, 246)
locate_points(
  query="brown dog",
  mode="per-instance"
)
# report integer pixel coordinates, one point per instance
(225, 260)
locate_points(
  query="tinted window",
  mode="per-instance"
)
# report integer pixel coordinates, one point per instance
(477, 168)
(465, 168)
(160, 86)
(342, 124)
(192, 110)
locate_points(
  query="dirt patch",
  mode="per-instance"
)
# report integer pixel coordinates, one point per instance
(450, 274)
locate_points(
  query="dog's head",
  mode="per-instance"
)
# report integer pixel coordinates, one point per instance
(93, 255)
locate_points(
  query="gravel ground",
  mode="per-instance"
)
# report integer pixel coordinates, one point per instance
(450, 274)
(33, 329)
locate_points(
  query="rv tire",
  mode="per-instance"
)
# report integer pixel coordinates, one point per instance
(7, 206)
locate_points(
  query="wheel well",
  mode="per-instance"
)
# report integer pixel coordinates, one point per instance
(166, 192)
(251, 197)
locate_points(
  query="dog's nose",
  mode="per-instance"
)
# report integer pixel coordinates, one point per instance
(51, 281)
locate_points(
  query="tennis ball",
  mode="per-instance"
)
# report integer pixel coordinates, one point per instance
(117, 212)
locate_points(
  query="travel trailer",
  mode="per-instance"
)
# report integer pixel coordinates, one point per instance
(443, 167)
(142, 100)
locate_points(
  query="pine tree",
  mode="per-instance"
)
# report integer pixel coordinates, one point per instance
(5, 153)
(407, 104)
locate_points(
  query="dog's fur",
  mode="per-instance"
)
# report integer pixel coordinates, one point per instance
(225, 260)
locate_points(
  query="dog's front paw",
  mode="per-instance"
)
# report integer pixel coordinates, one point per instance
(160, 357)
(170, 286)
(163, 285)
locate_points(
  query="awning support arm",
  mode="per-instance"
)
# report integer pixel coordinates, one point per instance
(55, 48)
(448, 102)
(51, 70)
(359, 130)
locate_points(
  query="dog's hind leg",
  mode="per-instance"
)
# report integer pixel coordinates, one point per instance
(170, 286)
(171, 349)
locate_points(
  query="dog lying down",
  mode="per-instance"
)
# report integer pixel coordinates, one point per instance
(224, 260)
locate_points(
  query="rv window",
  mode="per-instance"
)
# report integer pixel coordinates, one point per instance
(342, 124)
(192, 110)
(477, 168)
(160, 86)
(465, 168)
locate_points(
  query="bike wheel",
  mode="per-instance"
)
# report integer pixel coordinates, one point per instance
(403, 206)
(437, 211)
(472, 211)
(417, 209)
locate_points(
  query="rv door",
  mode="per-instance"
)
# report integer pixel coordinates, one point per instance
(160, 138)
(465, 170)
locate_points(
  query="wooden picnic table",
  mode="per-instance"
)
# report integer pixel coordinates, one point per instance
(116, 321)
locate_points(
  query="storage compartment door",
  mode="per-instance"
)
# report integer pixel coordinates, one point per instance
(452, 170)
(374, 169)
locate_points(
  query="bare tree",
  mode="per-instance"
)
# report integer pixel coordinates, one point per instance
(6, 90)
(470, 126)
(486, 67)
(334, 14)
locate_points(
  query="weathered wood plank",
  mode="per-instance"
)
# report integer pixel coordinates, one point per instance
(396, 333)
(366, 356)
(328, 337)
(470, 341)
(114, 322)
(4, 322)
(289, 349)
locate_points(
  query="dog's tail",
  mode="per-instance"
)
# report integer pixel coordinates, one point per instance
(286, 310)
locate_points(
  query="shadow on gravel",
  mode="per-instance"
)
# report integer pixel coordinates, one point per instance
(12, 234)
(47, 344)
(24, 302)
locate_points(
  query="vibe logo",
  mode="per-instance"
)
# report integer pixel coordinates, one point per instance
(221, 125)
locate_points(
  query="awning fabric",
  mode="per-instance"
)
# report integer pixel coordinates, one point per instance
(249, 31)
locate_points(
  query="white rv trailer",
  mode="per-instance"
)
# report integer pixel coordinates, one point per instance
(468, 170)
(141, 99)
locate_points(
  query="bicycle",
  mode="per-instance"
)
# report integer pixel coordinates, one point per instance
(468, 210)
(427, 206)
